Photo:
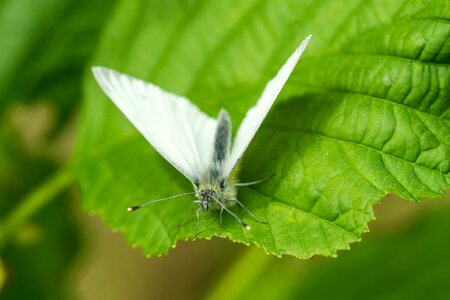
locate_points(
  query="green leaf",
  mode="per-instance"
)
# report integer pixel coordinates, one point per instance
(366, 113)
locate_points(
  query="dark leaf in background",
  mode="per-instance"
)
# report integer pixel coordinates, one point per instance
(36, 256)
(44, 47)
(19, 171)
(39, 254)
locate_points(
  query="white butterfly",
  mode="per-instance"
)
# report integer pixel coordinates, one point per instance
(195, 144)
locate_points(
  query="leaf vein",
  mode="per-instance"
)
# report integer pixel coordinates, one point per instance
(357, 170)
(340, 140)
(396, 57)
(395, 178)
(371, 97)
(314, 216)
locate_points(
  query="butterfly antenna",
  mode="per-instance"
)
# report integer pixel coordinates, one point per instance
(254, 182)
(133, 208)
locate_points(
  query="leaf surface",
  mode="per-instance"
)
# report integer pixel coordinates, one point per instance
(366, 113)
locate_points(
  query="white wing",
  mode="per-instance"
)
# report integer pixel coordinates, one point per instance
(256, 114)
(176, 128)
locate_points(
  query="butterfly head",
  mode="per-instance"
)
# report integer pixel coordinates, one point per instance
(213, 194)
(208, 198)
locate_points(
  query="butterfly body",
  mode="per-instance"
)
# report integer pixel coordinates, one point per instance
(213, 186)
(198, 146)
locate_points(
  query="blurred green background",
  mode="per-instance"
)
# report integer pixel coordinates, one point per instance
(53, 250)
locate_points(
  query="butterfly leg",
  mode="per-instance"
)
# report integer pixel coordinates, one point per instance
(190, 213)
(220, 221)
(233, 214)
(220, 217)
(248, 211)
(198, 220)
(254, 182)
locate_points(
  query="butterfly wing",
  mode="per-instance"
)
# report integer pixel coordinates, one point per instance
(175, 127)
(257, 113)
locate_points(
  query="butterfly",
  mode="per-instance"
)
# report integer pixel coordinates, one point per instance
(198, 146)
